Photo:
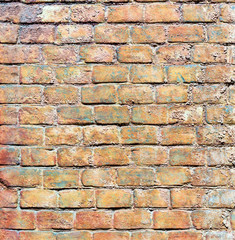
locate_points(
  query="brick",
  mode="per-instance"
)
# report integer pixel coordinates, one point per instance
(73, 74)
(208, 219)
(221, 34)
(139, 135)
(11, 12)
(125, 13)
(112, 114)
(19, 54)
(9, 156)
(134, 54)
(135, 176)
(81, 198)
(63, 135)
(38, 74)
(188, 198)
(178, 235)
(20, 177)
(112, 235)
(162, 13)
(172, 176)
(61, 95)
(200, 13)
(232, 95)
(148, 34)
(98, 135)
(37, 115)
(87, 13)
(99, 94)
(217, 235)
(8, 33)
(153, 114)
(214, 135)
(232, 219)
(36, 235)
(106, 33)
(221, 198)
(21, 135)
(99, 177)
(38, 157)
(186, 33)
(8, 198)
(9, 74)
(111, 156)
(74, 156)
(150, 235)
(93, 220)
(75, 235)
(113, 198)
(180, 156)
(75, 115)
(20, 94)
(138, 94)
(97, 53)
(173, 54)
(149, 155)
(146, 74)
(8, 115)
(159, 198)
(37, 34)
(74, 34)
(53, 54)
(184, 73)
(58, 178)
(209, 54)
(17, 219)
(166, 219)
(47, 220)
(8, 234)
(210, 177)
(208, 94)
(38, 198)
(220, 114)
(109, 74)
(132, 219)
(178, 135)
(227, 13)
(218, 74)
(231, 55)
(55, 13)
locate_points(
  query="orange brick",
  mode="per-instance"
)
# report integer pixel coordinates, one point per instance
(9, 234)
(9, 156)
(180, 235)
(220, 156)
(8, 115)
(150, 235)
(227, 14)
(74, 235)
(11, 12)
(221, 34)
(8, 33)
(37, 235)
(9, 74)
(55, 13)
(8, 198)
(112, 235)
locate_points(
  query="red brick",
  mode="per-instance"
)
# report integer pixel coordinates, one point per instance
(184, 235)
(74, 235)
(11, 12)
(8, 234)
(8, 33)
(8, 115)
(150, 235)
(112, 235)
(37, 235)
(8, 198)
(9, 74)
(9, 156)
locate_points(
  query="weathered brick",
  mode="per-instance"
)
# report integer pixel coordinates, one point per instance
(111, 34)
(221, 34)
(38, 157)
(232, 95)
(188, 198)
(38, 198)
(8, 33)
(149, 155)
(99, 177)
(135, 176)
(227, 13)
(47, 220)
(112, 235)
(162, 13)
(55, 13)
(146, 74)
(58, 178)
(9, 74)
(135, 54)
(233, 219)
(74, 156)
(159, 198)
(217, 235)
(87, 13)
(132, 219)
(139, 135)
(36, 235)
(8, 198)
(178, 235)
(166, 219)
(113, 73)
(73, 34)
(150, 235)
(80, 198)
(9, 155)
(148, 34)
(125, 13)
(113, 198)
(111, 156)
(11, 12)
(172, 176)
(93, 220)
(9, 234)
(138, 94)
(8, 115)
(74, 235)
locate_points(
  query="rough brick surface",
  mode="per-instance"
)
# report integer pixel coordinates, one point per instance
(117, 120)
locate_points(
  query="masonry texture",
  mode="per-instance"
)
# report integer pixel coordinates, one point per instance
(117, 120)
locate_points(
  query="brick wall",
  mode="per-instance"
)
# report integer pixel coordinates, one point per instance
(117, 120)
